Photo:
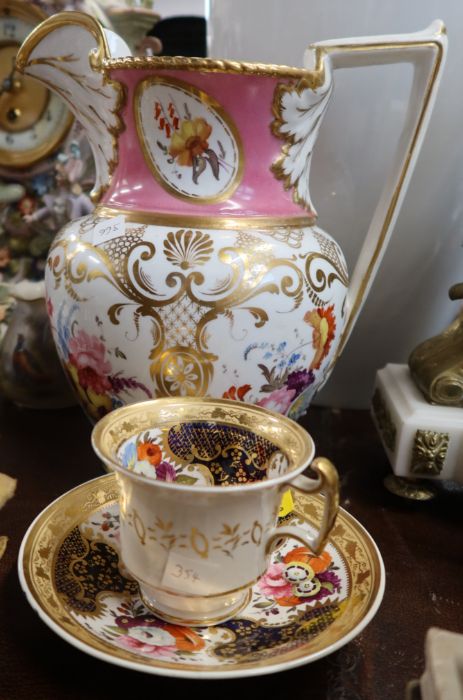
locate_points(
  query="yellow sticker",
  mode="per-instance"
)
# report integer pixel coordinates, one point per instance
(286, 505)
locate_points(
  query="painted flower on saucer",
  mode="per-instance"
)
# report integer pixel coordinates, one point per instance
(300, 577)
(143, 633)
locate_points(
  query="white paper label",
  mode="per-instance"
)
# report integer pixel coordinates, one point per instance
(183, 573)
(108, 229)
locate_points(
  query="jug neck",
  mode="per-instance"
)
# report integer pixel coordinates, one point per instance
(203, 143)
(214, 140)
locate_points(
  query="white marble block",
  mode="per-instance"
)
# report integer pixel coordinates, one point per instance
(443, 676)
(421, 440)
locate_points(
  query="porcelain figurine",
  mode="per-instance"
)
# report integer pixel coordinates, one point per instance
(202, 270)
(46, 165)
(30, 371)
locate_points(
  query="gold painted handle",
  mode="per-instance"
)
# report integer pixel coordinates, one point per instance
(328, 482)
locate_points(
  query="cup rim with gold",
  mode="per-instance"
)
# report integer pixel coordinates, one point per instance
(117, 427)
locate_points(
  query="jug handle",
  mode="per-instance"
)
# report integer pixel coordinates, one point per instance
(66, 53)
(426, 50)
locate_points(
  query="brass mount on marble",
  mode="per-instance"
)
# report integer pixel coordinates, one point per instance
(436, 365)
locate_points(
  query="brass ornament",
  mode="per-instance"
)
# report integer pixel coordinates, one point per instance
(412, 489)
(429, 452)
(436, 365)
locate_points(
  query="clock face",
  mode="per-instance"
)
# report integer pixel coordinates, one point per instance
(33, 121)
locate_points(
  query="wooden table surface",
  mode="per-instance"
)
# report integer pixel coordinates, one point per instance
(421, 543)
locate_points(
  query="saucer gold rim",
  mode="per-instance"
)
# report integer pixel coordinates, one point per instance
(42, 541)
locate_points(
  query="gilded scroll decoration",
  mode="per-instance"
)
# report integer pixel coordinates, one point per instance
(186, 248)
(180, 305)
(298, 111)
(167, 298)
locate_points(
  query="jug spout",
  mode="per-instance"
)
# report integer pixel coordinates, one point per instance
(65, 53)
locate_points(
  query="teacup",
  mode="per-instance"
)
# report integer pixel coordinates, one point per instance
(201, 481)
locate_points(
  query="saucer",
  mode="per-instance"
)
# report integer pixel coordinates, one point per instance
(70, 571)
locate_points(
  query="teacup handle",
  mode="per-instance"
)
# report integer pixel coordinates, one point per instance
(328, 481)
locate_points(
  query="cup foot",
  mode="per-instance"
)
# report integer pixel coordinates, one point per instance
(197, 611)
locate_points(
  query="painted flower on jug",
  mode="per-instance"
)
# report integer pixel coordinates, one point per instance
(279, 400)
(87, 355)
(190, 141)
(237, 393)
(300, 577)
(194, 148)
(323, 323)
(187, 140)
(285, 379)
(300, 380)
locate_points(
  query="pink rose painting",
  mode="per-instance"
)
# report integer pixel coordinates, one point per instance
(279, 400)
(300, 577)
(273, 584)
(100, 386)
(145, 634)
(87, 355)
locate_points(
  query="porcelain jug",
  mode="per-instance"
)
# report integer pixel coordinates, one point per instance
(202, 270)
